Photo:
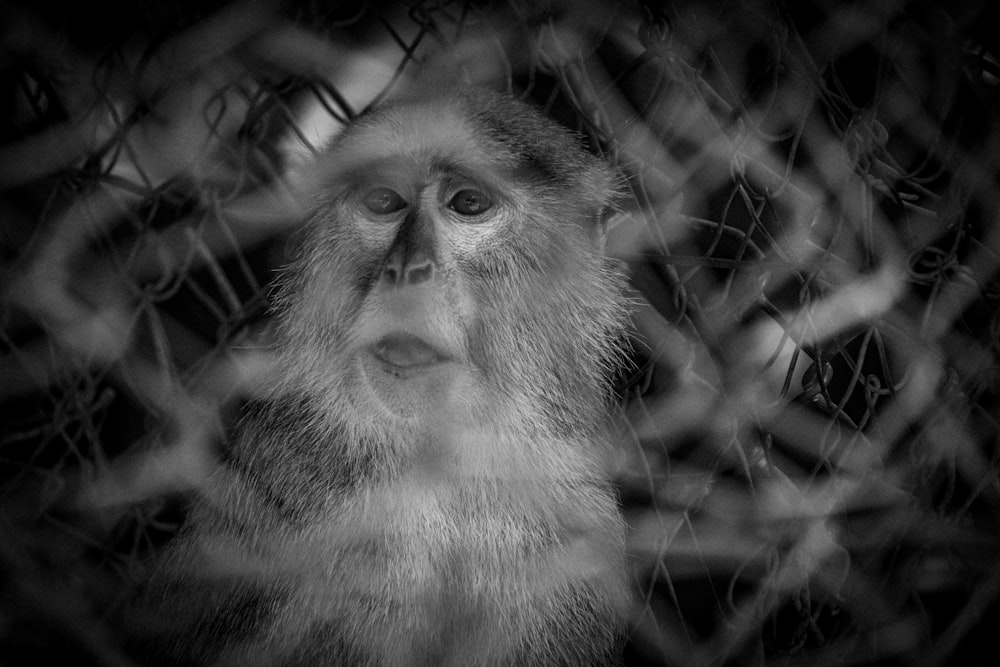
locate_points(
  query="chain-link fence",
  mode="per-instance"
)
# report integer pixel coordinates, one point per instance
(808, 461)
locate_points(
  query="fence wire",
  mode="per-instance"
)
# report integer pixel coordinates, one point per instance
(808, 461)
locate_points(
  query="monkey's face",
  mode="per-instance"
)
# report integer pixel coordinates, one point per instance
(443, 258)
(412, 225)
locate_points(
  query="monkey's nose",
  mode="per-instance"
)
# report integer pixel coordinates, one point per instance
(396, 273)
(419, 273)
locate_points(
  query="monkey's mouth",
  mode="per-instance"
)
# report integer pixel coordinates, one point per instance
(406, 351)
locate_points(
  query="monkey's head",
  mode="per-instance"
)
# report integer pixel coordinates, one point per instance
(454, 269)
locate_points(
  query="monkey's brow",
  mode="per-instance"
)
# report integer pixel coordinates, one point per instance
(484, 173)
(392, 169)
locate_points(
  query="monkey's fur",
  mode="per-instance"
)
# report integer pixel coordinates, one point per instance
(423, 483)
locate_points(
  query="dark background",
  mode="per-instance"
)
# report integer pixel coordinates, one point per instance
(808, 456)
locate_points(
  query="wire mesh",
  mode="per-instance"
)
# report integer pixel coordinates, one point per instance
(808, 461)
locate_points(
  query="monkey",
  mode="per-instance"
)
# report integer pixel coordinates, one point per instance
(423, 480)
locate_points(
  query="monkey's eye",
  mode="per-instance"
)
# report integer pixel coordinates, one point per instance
(470, 202)
(383, 200)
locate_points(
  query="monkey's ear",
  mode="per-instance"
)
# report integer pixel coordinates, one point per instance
(609, 218)
(613, 211)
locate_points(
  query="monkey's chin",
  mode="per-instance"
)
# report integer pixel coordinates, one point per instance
(409, 377)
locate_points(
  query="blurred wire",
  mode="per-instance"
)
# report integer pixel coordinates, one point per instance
(809, 459)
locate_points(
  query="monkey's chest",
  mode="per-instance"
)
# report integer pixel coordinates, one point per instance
(419, 577)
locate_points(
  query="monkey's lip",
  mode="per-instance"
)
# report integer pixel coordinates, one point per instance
(404, 350)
